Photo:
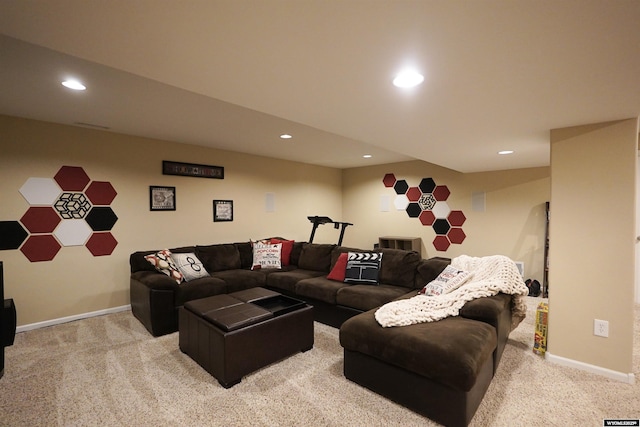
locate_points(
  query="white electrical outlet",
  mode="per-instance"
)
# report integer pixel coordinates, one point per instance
(600, 328)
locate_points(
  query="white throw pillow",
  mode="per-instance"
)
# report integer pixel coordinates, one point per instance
(266, 256)
(190, 266)
(448, 280)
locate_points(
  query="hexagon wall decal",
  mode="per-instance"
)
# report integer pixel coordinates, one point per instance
(40, 219)
(413, 194)
(427, 185)
(441, 209)
(101, 193)
(73, 232)
(40, 247)
(12, 235)
(401, 186)
(389, 180)
(441, 193)
(101, 244)
(72, 205)
(72, 178)
(40, 191)
(413, 210)
(456, 235)
(401, 202)
(441, 226)
(441, 243)
(456, 218)
(428, 203)
(101, 218)
(63, 212)
(427, 217)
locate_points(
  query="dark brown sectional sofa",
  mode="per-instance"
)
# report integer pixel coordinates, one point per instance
(440, 369)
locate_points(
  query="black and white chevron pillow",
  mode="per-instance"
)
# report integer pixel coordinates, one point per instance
(363, 268)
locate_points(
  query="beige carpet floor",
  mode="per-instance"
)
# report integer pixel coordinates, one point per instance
(108, 371)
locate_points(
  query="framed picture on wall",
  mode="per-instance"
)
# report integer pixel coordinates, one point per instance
(222, 210)
(162, 198)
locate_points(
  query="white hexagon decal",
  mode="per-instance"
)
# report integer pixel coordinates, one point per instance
(441, 210)
(401, 202)
(40, 191)
(73, 232)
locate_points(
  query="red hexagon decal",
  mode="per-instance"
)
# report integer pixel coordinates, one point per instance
(441, 243)
(413, 194)
(72, 178)
(389, 180)
(441, 193)
(456, 218)
(100, 244)
(100, 193)
(427, 218)
(40, 219)
(42, 247)
(456, 235)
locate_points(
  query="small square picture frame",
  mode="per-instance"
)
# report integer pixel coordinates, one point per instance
(222, 210)
(162, 198)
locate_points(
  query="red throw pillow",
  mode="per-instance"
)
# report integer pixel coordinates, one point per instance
(338, 270)
(287, 247)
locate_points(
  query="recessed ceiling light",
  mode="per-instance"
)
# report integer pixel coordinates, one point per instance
(367, 156)
(73, 84)
(505, 152)
(285, 136)
(408, 78)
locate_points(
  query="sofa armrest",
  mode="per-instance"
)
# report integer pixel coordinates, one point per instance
(155, 280)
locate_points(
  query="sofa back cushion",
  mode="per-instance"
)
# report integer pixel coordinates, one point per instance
(246, 254)
(398, 267)
(316, 257)
(429, 269)
(219, 257)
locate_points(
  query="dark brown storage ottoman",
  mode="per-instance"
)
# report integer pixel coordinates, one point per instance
(233, 335)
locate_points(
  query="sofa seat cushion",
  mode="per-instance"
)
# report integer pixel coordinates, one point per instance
(199, 288)
(451, 351)
(366, 297)
(320, 288)
(287, 279)
(238, 280)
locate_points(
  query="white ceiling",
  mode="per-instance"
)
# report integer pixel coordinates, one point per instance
(235, 74)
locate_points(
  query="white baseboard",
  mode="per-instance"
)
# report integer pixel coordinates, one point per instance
(52, 322)
(614, 375)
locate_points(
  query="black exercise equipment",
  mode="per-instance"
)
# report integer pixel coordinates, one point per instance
(317, 220)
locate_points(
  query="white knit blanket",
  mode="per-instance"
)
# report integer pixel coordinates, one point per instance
(490, 275)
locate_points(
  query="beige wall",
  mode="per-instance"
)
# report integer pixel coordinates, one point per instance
(592, 242)
(512, 224)
(76, 282)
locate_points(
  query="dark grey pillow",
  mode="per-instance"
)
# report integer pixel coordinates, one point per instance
(363, 268)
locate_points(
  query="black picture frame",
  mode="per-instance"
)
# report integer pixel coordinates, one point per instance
(222, 210)
(162, 198)
(192, 169)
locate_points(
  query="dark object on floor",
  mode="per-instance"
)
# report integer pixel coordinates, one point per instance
(7, 321)
(319, 220)
(534, 287)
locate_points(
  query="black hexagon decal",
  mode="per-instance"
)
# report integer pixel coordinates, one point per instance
(12, 235)
(427, 185)
(441, 226)
(101, 218)
(413, 210)
(401, 186)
